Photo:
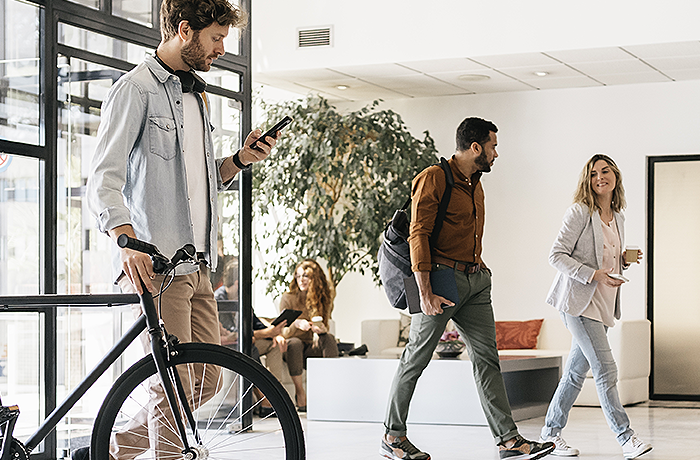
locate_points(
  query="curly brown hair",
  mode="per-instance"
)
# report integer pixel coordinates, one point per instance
(200, 14)
(319, 300)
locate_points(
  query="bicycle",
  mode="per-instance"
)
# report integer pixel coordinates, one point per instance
(193, 425)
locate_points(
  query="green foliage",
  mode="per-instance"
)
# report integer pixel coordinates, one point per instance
(339, 178)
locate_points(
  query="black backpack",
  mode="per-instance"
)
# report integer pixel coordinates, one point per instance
(394, 254)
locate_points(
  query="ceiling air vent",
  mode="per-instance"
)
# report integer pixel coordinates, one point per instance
(315, 37)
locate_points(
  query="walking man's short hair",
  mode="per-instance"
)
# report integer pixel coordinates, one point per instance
(474, 130)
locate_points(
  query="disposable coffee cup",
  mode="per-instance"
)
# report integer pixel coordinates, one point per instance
(631, 254)
(317, 320)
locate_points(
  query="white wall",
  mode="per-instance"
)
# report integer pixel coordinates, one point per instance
(379, 31)
(545, 137)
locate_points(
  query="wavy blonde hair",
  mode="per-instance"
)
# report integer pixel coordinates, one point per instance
(319, 299)
(584, 191)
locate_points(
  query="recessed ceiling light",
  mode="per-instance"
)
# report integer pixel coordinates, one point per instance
(473, 77)
(540, 73)
(342, 87)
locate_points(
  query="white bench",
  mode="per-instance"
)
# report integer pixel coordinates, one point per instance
(357, 389)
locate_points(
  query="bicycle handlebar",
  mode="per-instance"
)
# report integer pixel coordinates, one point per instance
(161, 264)
(125, 241)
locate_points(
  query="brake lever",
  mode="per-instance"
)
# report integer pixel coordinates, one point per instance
(160, 263)
(187, 252)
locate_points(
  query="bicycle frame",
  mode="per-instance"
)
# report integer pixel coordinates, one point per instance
(159, 348)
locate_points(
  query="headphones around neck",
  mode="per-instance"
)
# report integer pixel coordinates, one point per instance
(190, 81)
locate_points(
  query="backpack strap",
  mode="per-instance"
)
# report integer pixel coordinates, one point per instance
(444, 202)
(442, 208)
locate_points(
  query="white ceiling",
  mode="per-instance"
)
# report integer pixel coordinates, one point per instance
(515, 72)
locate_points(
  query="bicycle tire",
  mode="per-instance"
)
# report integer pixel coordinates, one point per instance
(216, 420)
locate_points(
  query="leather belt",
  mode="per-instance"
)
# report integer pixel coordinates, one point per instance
(466, 267)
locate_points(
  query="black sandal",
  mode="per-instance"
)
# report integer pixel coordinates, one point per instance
(299, 408)
(265, 411)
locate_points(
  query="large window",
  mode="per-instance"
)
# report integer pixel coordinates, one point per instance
(83, 253)
(100, 44)
(20, 225)
(58, 60)
(134, 10)
(20, 382)
(19, 73)
(21, 194)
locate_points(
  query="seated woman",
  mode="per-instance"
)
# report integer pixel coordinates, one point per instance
(308, 335)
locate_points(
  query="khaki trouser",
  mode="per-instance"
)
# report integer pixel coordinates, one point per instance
(273, 357)
(189, 312)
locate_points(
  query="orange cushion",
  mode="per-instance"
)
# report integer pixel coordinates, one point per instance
(516, 335)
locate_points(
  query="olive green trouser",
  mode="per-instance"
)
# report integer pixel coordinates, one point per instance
(473, 317)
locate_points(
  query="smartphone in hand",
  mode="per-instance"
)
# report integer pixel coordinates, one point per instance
(617, 277)
(272, 132)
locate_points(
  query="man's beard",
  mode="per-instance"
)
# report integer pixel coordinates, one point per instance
(482, 163)
(192, 54)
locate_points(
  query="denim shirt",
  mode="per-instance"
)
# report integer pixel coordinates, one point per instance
(137, 175)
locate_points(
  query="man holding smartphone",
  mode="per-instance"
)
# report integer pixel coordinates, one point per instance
(458, 250)
(154, 177)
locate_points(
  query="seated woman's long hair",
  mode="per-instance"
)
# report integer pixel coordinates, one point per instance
(319, 299)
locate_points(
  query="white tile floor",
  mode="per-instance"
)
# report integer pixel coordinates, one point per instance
(674, 430)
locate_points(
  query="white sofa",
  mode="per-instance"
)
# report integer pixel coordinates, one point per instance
(629, 340)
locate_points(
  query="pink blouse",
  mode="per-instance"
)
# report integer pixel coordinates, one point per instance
(602, 306)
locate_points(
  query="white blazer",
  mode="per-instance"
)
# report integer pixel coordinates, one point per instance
(576, 254)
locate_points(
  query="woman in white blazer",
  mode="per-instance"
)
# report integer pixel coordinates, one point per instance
(589, 256)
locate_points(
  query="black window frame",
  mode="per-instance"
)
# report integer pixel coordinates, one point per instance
(51, 13)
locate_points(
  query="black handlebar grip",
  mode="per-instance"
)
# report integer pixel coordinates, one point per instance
(125, 241)
(187, 252)
(190, 250)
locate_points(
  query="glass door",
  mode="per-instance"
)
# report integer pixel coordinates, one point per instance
(674, 219)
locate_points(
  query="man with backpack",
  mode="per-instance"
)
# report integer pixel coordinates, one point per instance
(457, 249)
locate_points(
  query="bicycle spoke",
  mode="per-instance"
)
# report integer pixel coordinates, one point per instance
(211, 380)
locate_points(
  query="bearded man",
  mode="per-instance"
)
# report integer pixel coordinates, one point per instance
(456, 253)
(154, 177)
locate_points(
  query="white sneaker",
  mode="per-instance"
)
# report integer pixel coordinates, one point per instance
(635, 447)
(561, 448)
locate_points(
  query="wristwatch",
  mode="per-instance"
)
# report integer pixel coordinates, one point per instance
(237, 161)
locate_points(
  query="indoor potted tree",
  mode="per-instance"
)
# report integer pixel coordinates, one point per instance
(333, 181)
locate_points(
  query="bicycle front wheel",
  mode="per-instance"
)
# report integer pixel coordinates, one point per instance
(135, 420)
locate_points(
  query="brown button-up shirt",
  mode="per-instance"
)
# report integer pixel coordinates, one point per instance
(463, 227)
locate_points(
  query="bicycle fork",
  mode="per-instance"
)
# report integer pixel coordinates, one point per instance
(170, 379)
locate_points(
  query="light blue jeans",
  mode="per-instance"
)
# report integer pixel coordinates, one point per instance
(589, 350)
